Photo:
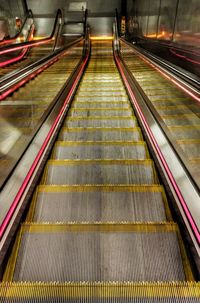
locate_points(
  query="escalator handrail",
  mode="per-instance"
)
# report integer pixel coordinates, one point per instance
(11, 39)
(192, 81)
(70, 87)
(9, 84)
(19, 46)
(128, 79)
(22, 53)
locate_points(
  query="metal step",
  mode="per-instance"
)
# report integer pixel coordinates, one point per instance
(99, 204)
(99, 112)
(100, 134)
(115, 121)
(100, 150)
(105, 105)
(98, 252)
(100, 172)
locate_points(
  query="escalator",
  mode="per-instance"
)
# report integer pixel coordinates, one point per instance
(24, 55)
(34, 54)
(99, 222)
(21, 112)
(177, 110)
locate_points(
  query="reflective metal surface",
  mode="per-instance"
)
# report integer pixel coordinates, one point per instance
(21, 113)
(179, 112)
(99, 180)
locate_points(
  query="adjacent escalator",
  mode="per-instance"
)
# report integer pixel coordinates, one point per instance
(179, 112)
(100, 212)
(21, 112)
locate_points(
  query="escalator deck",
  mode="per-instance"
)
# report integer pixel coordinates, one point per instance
(99, 227)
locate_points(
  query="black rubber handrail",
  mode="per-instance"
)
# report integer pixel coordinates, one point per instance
(11, 48)
(11, 39)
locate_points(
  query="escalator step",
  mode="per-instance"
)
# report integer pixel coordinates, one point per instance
(100, 134)
(99, 150)
(105, 105)
(99, 204)
(98, 252)
(102, 122)
(100, 172)
(105, 112)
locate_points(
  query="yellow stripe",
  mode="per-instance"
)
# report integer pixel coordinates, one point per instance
(126, 290)
(102, 118)
(100, 161)
(103, 129)
(10, 268)
(99, 226)
(121, 143)
(184, 127)
(188, 141)
(178, 116)
(97, 188)
(99, 109)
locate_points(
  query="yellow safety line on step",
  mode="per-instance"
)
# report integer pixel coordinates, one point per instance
(188, 141)
(93, 290)
(103, 129)
(10, 268)
(102, 118)
(186, 264)
(184, 127)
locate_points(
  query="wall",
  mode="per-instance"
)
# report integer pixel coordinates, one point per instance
(8, 11)
(101, 13)
(168, 20)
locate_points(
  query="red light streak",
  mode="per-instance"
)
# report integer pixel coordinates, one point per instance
(30, 44)
(39, 155)
(167, 169)
(13, 60)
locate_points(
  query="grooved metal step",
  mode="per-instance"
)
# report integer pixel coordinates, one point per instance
(105, 105)
(100, 134)
(100, 172)
(98, 252)
(100, 112)
(99, 150)
(102, 122)
(99, 204)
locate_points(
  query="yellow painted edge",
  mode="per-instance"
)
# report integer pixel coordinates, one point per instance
(188, 141)
(185, 260)
(126, 290)
(102, 118)
(166, 205)
(178, 116)
(31, 211)
(98, 109)
(93, 129)
(34, 227)
(148, 162)
(184, 127)
(10, 268)
(123, 143)
(93, 188)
